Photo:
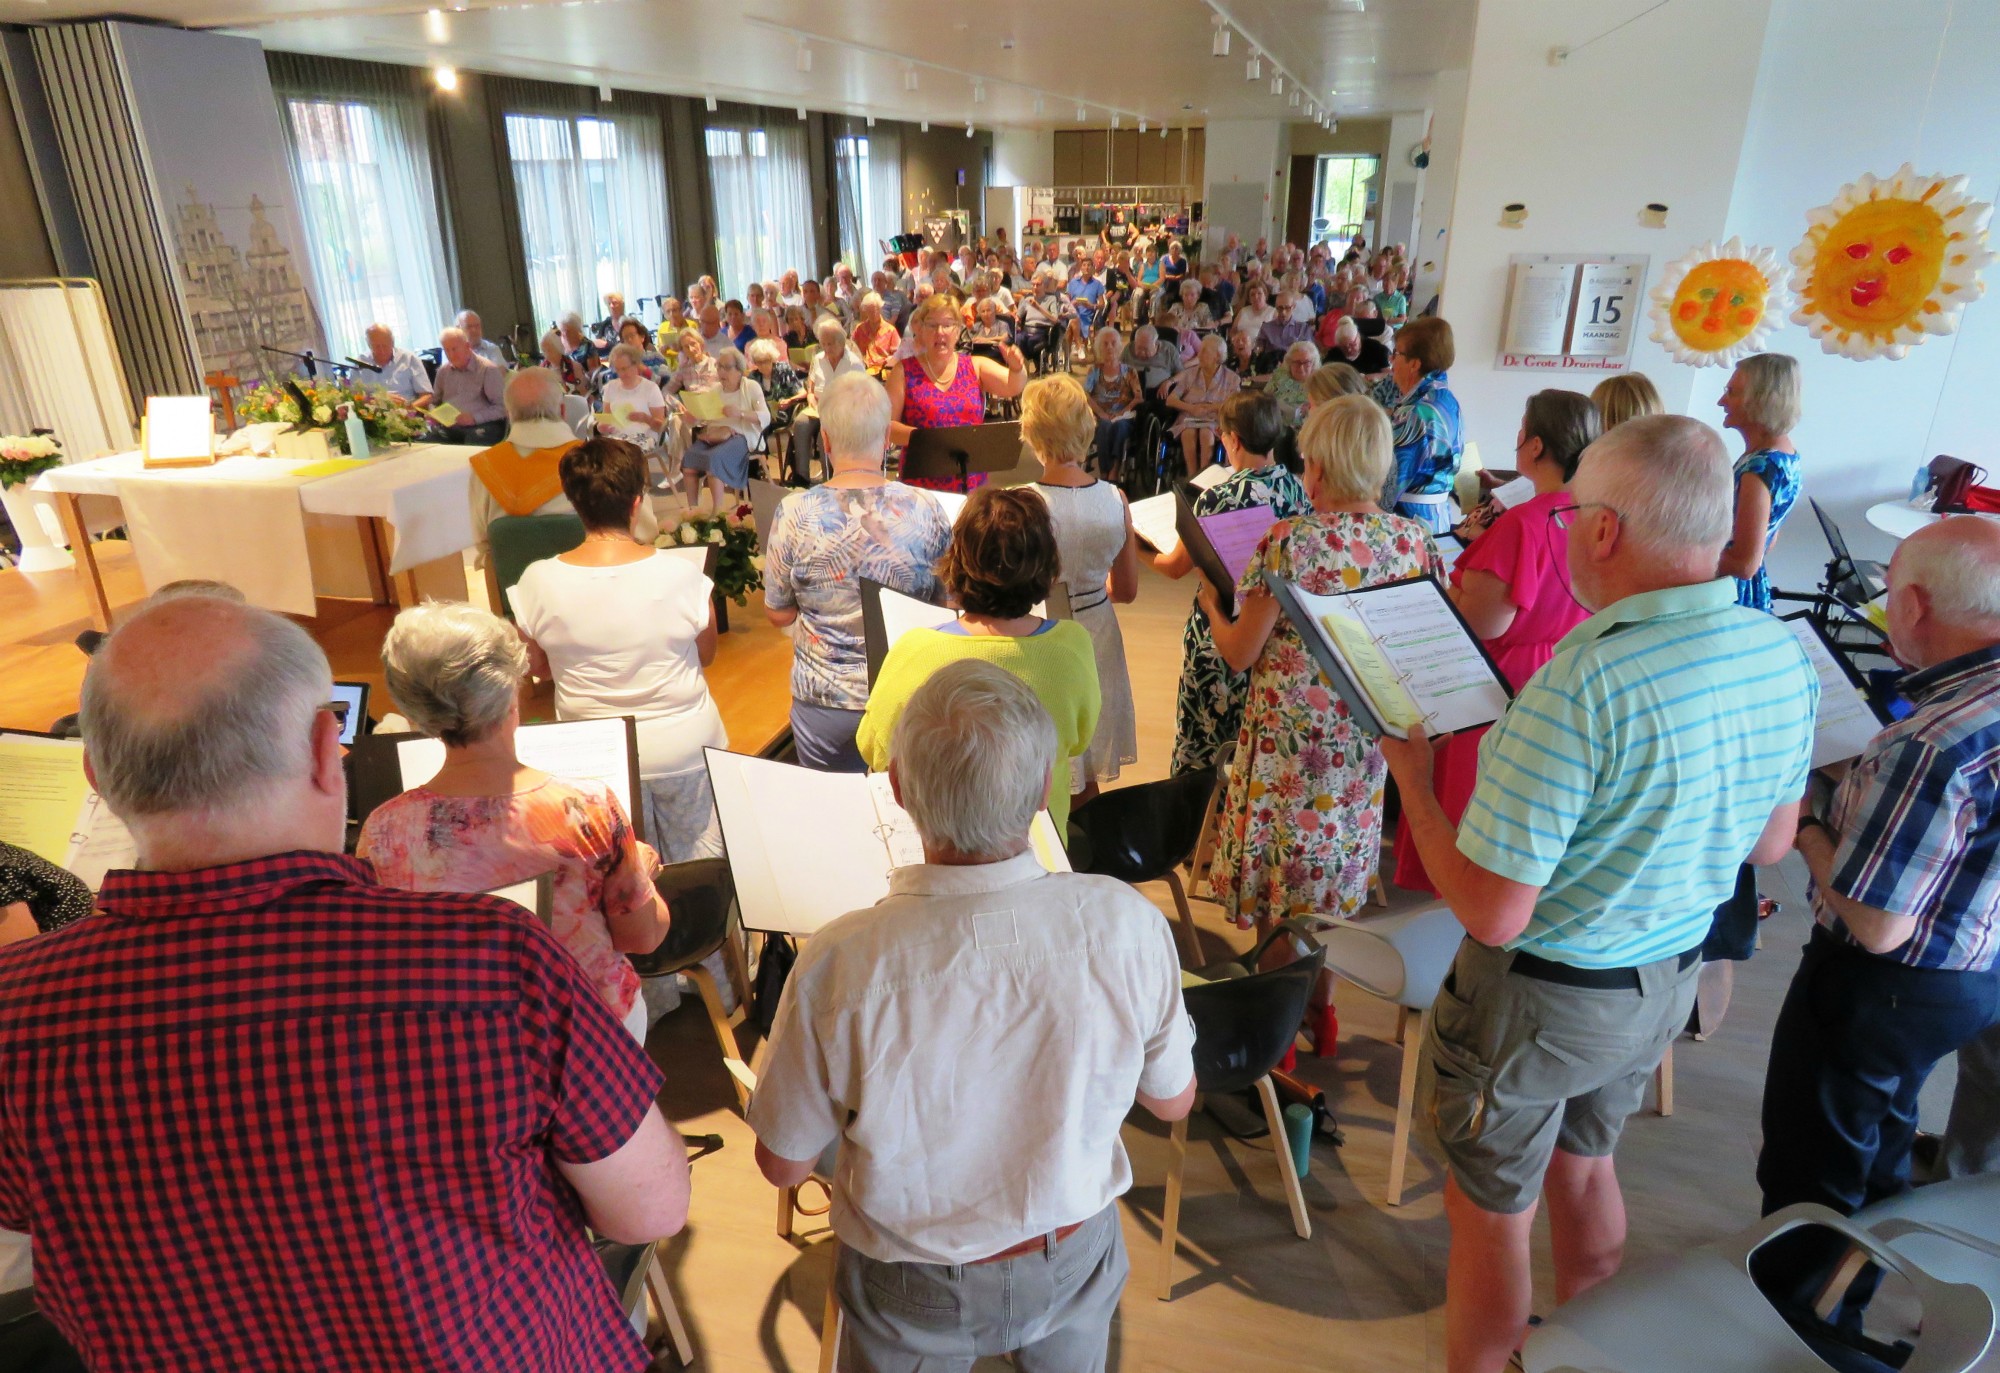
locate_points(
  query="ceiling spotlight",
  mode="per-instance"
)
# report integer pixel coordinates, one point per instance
(1221, 45)
(604, 92)
(711, 104)
(968, 128)
(802, 112)
(805, 58)
(1253, 70)
(1332, 124)
(979, 92)
(446, 78)
(909, 78)
(1114, 121)
(1295, 95)
(871, 121)
(1163, 131)
(1277, 83)
(1038, 104)
(435, 26)
(1142, 126)
(925, 126)
(1081, 114)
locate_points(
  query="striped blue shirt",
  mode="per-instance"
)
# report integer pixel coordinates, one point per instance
(1636, 770)
(1919, 818)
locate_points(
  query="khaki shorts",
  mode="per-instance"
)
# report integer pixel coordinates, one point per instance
(1522, 1067)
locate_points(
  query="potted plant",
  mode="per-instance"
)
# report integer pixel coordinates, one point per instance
(22, 459)
(386, 417)
(739, 566)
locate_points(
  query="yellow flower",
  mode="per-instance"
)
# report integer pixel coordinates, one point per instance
(688, 534)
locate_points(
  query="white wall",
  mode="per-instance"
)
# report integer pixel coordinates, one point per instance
(1430, 248)
(1406, 131)
(1654, 112)
(1024, 157)
(1868, 424)
(1244, 162)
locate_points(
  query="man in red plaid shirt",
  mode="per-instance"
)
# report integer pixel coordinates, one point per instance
(260, 1113)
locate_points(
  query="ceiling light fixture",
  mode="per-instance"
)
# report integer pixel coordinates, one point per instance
(1253, 70)
(1277, 84)
(805, 58)
(711, 104)
(604, 92)
(909, 78)
(1142, 126)
(979, 92)
(1295, 96)
(435, 27)
(1332, 124)
(446, 78)
(1114, 121)
(1081, 114)
(1038, 104)
(925, 126)
(1220, 47)
(968, 128)
(871, 121)
(802, 113)
(1163, 131)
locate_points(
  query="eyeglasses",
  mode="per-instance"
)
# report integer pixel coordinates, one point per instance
(1564, 516)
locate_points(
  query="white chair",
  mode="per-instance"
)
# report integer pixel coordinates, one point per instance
(576, 414)
(1402, 959)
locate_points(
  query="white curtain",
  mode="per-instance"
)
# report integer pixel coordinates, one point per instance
(592, 192)
(763, 202)
(363, 169)
(869, 181)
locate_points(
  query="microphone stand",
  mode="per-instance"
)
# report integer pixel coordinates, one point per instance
(311, 362)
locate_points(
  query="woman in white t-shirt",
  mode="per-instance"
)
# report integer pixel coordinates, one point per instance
(625, 629)
(1256, 312)
(634, 407)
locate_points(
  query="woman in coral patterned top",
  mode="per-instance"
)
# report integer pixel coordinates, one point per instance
(486, 821)
(940, 388)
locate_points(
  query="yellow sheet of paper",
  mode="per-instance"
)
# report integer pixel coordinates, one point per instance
(703, 405)
(802, 358)
(445, 413)
(1876, 612)
(42, 788)
(332, 467)
(621, 415)
(1391, 698)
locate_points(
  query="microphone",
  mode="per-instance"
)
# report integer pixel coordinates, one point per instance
(364, 366)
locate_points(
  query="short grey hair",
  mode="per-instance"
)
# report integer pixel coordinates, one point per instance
(1771, 391)
(1959, 575)
(446, 335)
(973, 750)
(729, 357)
(629, 353)
(378, 327)
(534, 393)
(216, 744)
(854, 416)
(454, 669)
(467, 316)
(869, 298)
(1302, 348)
(1669, 479)
(571, 320)
(763, 350)
(828, 324)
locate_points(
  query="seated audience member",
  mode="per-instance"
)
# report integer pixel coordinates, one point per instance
(874, 336)
(873, 1048)
(1086, 299)
(1243, 357)
(1368, 356)
(1905, 866)
(736, 324)
(487, 820)
(1281, 332)
(1615, 800)
(987, 326)
(613, 322)
(798, 331)
(696, 371)
(789, 294)
(577, 343)
(999, 567)
(771, 368)
(823, 541)
(634, 334)
(673, 319)
(1255, 313)
(715, 335)
(624, 628)
(472, 386)
(396, 370)
(245, 947)
(720, 449)
(558, 363)
(1312, 855)
(1430, 436)
(634, 407)
(36, 896)
(1626, 396)
(1196, 395)
(475, 334)
(895, 301)
(1114, 394)
(522, 475)
(1154, 361)
(834, 358)
(1043, 314)
(1288, 388)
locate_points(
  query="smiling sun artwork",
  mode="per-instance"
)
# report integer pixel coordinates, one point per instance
(1888, 261)
(1715, 305)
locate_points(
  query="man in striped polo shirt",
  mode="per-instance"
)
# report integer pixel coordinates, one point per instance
(1666, 743)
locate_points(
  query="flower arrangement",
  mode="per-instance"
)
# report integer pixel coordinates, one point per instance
(23, 457)
(386, 416)
(739, 569)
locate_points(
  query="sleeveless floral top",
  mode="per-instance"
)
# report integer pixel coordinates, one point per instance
(928, 406)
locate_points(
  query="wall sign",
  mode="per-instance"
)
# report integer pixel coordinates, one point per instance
(1571, 312)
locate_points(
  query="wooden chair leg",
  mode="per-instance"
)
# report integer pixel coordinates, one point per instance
(831, 1321)
(1406, 1101)
(1294, 1194)
(738, 969)
(725, 1036)
(788, 1210)
(1403, 1014)
(1189, 938)
(1663, 1082)
(1379, 888)
(670, 1311)
(1170, 1214)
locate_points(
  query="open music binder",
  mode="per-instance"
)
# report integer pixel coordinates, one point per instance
(1399, 655)
(806, 847)
(604, 750)
(47, 806)
(1847, 718)
(888, 614)
(1221, 544)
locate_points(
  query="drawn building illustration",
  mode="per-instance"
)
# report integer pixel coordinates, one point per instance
(236, 299)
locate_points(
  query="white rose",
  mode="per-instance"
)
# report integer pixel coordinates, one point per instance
(323, 414)
(687, 534)
(715, 536)
(756, 563)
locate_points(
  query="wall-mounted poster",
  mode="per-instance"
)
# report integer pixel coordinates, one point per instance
(1571, 312)
(1888, 262)
(1716, 304)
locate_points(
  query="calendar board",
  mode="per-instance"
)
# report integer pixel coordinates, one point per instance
(1571, 312)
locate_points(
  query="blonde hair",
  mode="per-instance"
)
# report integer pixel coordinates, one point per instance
(1771, 390)
(1056, 418)
(1348, 442)
(1627, 396)
(930, 305)
(1332, 380)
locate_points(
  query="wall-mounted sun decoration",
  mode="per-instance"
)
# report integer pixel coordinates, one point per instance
(1888, 261)
(1716, 304)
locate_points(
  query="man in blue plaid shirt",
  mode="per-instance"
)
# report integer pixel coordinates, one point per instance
(1905, 870)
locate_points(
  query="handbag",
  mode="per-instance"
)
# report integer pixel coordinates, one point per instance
(774, 968)
(1953, 482)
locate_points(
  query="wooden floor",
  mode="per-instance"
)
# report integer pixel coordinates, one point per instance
(1363, 1293)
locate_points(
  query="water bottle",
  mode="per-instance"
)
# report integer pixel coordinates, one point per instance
(1299, 1135)
(1919, 482)
(357, 437)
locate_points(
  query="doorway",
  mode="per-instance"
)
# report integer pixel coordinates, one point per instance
(1344, 197)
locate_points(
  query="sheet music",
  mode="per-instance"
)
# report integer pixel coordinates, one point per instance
(1450, 547)
(1372, 671)
(1153, 521)
(896, 829)
(953, 503)
(101, 844)
(1519, 491)
(1213, 475)
(586, 750)
(1439, 662)
(42, 794)
(901, 614)
(703, 405)
(1236, 534)
(1844, 724)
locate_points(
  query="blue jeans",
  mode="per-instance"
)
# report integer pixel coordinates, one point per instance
(1112, 436)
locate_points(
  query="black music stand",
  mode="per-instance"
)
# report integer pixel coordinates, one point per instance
(945, 454)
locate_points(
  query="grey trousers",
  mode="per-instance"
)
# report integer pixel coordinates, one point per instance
(1972, 1139)
(1051, 1308)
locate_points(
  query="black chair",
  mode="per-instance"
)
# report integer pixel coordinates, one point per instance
(699, 895)
(1244, 1022)
(1141, 834)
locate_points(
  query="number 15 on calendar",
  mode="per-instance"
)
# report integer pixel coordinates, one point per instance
(1607, 308)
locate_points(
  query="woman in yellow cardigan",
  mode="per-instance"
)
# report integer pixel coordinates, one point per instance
(1001, 563)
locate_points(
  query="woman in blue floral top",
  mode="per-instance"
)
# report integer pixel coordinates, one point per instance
(1423, 414)
(1761, 402)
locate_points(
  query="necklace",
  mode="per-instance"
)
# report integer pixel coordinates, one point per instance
(936, 378)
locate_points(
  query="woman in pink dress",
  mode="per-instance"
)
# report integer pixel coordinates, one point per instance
(1512, 586)
(937, 387)
(486, 821)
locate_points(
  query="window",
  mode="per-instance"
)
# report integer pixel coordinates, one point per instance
(592, 192)
(763, 203)
(870, 175)
(1343, 201)
(371, 220)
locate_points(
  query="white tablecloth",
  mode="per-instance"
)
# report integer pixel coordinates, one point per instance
(423, 492)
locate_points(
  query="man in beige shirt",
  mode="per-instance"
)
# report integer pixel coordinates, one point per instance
(973, 1043)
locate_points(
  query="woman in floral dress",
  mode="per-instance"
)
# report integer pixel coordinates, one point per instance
(1302, 821)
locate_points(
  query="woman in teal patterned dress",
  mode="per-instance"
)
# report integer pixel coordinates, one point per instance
(1210, 708)
(1761, 402)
